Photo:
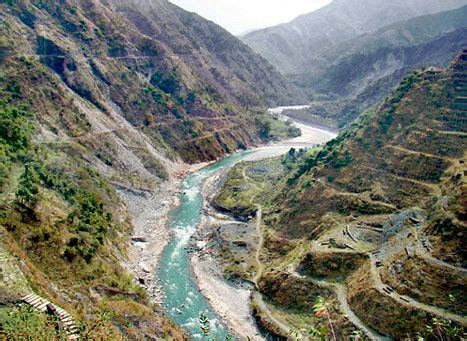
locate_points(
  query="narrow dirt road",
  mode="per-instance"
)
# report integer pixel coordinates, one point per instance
(259, 230)
(265, 309)
(341, 295)
(379, 285)
(260, 266)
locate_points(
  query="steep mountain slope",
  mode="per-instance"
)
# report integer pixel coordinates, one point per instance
(93, 101)
(117, 66)
(357, 74)
(64, 229)
(374, 222)
(364, 51)
(217, 56)
(289, 46)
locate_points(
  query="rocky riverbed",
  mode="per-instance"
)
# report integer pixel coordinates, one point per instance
(149, 212)
(230, 300)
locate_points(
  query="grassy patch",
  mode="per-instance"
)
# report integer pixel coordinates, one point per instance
(22, 323)
(249, 184)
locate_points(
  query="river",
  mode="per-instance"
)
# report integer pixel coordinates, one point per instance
(183, 301)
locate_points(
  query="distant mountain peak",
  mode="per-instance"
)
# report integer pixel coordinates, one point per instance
(348, 55)
(287, 45)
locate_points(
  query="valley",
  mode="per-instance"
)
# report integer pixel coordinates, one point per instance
(331, 224)
(183, 301)
(148, 193)
(100, 119)
(346, 61)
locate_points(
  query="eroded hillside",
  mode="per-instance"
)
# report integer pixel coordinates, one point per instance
(97, 100)
(373, 222)
(140, 67)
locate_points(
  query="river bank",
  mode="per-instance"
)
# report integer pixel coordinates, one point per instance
(232, 301)
(162, 229)
(149, 212)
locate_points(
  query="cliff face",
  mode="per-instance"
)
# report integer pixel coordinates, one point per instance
(376, 215)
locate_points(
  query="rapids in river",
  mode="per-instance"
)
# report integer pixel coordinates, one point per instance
(183, 301)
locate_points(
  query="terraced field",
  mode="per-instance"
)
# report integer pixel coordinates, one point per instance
(374, 222)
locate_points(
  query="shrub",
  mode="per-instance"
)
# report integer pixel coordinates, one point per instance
(341, 161)
(264, 128)
(24, 323)
(168, 83)
(15, 130)
(386, 122)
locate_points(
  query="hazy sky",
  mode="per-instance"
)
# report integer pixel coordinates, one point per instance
(240, 16)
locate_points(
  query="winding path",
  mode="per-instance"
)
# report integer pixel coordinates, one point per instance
(259, 231)
(339, 289)
(430, 259)
(265, 309)
(341, 295)
(260, 266)
(409, 301)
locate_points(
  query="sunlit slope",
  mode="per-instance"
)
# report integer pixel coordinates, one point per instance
(373, 222)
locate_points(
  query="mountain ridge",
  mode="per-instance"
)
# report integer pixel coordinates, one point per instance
(346, 78)
(334, 24)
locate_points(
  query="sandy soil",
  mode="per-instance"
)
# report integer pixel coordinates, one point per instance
(231, 302)
(311, 135)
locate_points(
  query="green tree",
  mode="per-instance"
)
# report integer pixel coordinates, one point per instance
(27, 188)
(15, 128)
(265, 129)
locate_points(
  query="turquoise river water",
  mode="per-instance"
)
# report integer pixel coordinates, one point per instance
(183, 302)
